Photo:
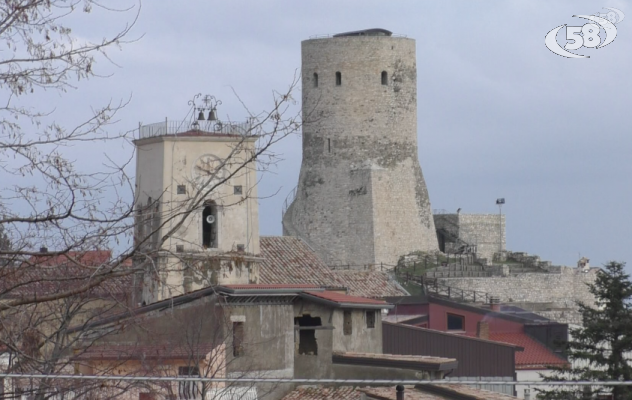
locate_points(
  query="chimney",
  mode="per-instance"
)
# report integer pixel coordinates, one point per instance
(43, 249)
(399, 389)
(527, 394)
(482, 330)
(494, 303)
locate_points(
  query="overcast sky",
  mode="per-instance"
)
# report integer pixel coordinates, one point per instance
(499, 115)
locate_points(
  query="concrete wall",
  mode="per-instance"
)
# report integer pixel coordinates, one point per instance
(361, 196)
(562, 289)
(362, 338)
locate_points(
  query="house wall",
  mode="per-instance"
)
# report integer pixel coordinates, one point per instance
(362, 338)
(318, 365)
(438, 319)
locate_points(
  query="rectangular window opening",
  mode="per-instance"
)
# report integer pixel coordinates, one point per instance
(456, 322)
(329, 145)
(238, 339)
(370, 319)
(238, 189)
(182, 189)
(307, 337)
(338, 79)
(347, 324)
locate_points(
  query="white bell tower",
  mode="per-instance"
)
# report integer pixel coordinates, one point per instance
(196, 203)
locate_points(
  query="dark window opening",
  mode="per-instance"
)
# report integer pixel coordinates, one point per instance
(238, 189)
(346, 323)
(182, 189)
(188, 390)
(241, 247)
(338, 79)
(307, 337)
(209, 226)
(370, 319)
(179, 248)
(329, 145)
(456, 322)
(238, 339)
(315, 79)
(384, 78)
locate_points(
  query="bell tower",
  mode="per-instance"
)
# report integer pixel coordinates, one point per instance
(361, 197)
(196, 203)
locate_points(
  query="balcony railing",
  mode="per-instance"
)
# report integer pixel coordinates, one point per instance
(167, 127)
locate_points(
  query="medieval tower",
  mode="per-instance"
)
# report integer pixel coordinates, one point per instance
(361, 197)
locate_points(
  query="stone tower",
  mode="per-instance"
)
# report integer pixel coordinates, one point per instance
(177, 162)
(361, 197)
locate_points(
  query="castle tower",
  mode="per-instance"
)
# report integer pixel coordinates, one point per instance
(177, 164)
(361, 197)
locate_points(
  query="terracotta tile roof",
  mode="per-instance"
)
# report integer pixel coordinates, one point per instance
(135, 352)
(271, 286)
(47, 275)
(323, 393)
(435, 392)
(375, 284)
(535, 354)
(345, 299)
(289, 260)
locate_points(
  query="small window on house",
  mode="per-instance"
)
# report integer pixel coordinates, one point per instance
(238, 339)
(370, 319)
(182, 189)
(347, 326)
(238, 189)
(384, 78)
(241, 247)
(456, 322)
(338, 79)
(307, 337)
(209, 226)
(188, 389)
(179, 248)
(315, 79)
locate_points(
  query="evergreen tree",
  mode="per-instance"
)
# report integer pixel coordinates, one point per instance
(597, 351)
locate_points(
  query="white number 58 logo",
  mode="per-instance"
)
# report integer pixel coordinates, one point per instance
(582, 36)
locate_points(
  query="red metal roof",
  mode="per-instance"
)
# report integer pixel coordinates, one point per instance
(535, 354)
(271, 286)
(343, 298)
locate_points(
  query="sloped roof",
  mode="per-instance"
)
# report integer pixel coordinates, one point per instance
(535, 354)
(345, 300)
(141, 351)
(89, 272)
(375, 284)
(323, 393)
(289, 260)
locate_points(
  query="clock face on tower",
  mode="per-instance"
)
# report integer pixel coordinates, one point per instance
(206, 171)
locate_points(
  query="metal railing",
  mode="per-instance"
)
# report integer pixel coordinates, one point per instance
(288, 201)
(433, 286)
(167, 127)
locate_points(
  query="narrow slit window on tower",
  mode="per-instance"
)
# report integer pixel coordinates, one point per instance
(338, 79)
(209, 226)
(315, 79)
(384, 78)
(329, 145)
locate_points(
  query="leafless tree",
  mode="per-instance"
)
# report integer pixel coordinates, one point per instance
(54, 215)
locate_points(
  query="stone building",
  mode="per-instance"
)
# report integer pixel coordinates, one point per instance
(361, 197)
(479, 234)
(196, 187)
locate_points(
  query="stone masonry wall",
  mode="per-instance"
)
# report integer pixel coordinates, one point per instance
(361, 196)
(562, 289)
(486, 231)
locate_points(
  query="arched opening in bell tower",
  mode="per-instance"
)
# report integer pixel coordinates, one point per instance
(209, 225)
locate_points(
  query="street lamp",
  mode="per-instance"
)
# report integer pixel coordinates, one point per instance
(499, 203)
